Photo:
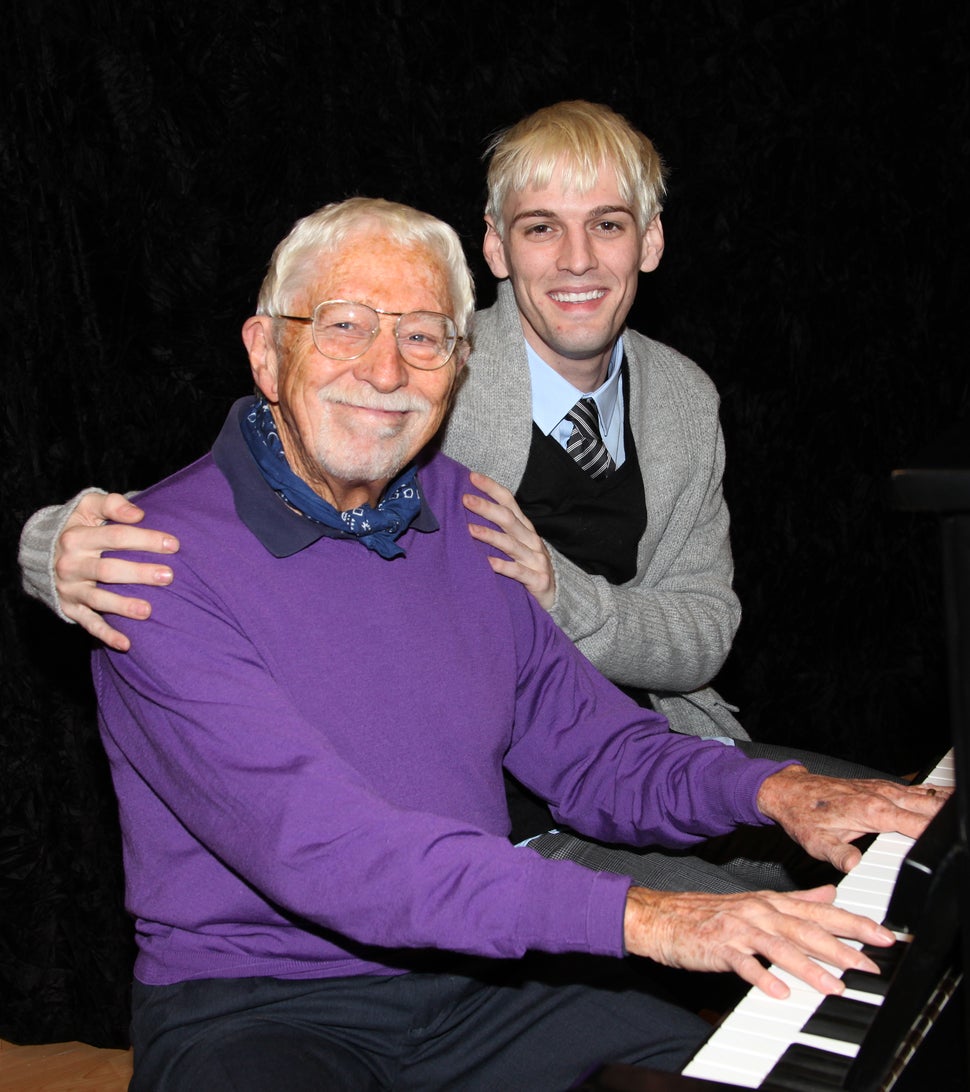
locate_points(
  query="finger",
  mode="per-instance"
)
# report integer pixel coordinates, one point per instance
(841, 855)
(509, 520)
(94, 508)
(516, 571)
(76, 542)
(908, 813)
(753, 971)
(115, 570)
(76, 576)
(824, 893)
(817, 912)
(925, 799)
(121, 510)
(139, 539)
(501, 540)
(787, 957)
(100, 629)
(100, 601)
(507, 504)
(821, 930)
(537, 583)
(494, 513)
(488, 485)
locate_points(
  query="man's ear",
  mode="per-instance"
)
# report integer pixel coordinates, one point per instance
(257, 335)
(494, 250)
(652, 245)
(461, 356)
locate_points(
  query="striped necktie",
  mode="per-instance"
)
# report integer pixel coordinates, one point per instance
(585, 445)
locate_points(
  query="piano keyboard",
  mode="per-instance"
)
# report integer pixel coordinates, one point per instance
(746, 1046)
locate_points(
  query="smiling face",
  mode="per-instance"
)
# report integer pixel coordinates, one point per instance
(348, 427)
(573, 260)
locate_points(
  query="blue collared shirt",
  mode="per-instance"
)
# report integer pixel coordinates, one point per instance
(553, 397)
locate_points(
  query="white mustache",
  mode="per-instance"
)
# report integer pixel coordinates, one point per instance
(398, 402)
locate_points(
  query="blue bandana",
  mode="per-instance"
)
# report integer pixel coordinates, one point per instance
(377, 528)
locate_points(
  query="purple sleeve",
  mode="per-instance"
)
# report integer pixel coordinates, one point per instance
(620, 774)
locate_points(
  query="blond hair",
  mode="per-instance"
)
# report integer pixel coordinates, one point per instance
(578, 137)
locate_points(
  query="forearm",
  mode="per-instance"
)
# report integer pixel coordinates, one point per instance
(672, 637)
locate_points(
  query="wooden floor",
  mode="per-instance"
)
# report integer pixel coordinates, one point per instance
(63, 1067)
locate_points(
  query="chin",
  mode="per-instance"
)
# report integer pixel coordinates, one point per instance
(369, 466)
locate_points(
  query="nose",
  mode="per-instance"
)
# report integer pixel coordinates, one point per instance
(576, 255)
(382, 366)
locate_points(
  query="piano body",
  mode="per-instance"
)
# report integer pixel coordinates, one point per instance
(908, 1029)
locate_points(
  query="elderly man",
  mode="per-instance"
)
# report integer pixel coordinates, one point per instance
(307, 742)
(630, 555)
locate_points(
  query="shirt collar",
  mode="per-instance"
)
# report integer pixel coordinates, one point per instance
(553, 397)
(281, 530)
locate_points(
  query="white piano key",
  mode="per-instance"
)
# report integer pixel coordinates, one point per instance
(875, 999)
(833, 1046)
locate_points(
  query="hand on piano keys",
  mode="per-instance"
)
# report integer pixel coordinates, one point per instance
(825, 815)
(717, 932)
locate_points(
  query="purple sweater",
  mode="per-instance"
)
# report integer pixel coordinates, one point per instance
(307, 745)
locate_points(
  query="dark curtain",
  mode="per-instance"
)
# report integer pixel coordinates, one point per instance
(816, 266)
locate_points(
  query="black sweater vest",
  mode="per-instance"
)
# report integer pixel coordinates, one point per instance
(596, 524)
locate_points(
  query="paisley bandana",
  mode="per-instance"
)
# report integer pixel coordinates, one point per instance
(377, 528)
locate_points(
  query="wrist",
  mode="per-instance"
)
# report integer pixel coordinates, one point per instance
(775, 789)
(639, 918)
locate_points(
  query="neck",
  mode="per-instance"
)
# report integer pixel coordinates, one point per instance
(585, 375)
(344, 495)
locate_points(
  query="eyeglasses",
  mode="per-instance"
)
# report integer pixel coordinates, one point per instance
(344, 330)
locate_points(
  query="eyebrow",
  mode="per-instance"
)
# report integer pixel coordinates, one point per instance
(551, 214)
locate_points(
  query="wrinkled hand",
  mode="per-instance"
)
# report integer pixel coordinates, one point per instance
(826, 814)
(79, 565)
(529, 562)
(704, 932)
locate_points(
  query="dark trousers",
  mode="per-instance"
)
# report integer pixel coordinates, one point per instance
(512, 1026)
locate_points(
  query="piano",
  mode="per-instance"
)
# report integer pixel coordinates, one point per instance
(907, 1029)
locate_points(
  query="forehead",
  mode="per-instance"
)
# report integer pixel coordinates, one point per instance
(372, 268)
(566, 194)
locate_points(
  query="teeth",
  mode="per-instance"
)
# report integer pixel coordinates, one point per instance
(578, 297)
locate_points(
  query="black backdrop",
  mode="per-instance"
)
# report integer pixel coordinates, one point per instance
(816, 266)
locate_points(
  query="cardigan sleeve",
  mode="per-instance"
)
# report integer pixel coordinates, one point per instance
(38, 544)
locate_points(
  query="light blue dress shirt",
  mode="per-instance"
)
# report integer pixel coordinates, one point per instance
(553, 397)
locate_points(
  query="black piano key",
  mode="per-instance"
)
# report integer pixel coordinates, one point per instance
(841, 1018)
(804, 1069)
(886, 959)
(864, 982)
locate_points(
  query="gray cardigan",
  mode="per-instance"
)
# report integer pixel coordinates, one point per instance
(669, 629)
